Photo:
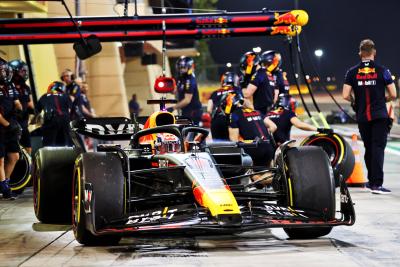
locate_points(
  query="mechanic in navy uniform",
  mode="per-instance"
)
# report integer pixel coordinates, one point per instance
(273, 62)
(249, 124)
(10, 131)
(188, 94)
(73, 90)
(56, 106)
(370, 82)
(285, 117)
(262, 87)
(249, 63)
(222, 102)
(87, 110)
(19, 78)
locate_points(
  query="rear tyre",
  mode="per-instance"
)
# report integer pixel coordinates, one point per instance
(52, 184)
(339, 153)
(312, 187)
(103, 173)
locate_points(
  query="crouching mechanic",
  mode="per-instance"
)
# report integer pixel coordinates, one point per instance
(10, 131)
(284, 117)
(56, 106)
(222, 102)
(249, 124)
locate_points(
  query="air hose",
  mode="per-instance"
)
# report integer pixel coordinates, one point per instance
(320, 114)
(297, 82)
(320, 84)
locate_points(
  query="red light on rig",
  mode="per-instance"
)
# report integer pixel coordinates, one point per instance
(164, 85)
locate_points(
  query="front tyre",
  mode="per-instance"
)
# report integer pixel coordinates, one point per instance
(312, 187)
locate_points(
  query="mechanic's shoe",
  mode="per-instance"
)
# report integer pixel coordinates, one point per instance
(380, 190)
(5, 189)
(367, 186)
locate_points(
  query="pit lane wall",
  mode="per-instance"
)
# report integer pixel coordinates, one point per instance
(112, 78)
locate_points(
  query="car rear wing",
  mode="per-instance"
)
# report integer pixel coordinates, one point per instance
(110, 128)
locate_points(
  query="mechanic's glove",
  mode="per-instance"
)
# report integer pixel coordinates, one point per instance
(353, 106)
(14, 129)
(30, 110)
(170, 109)
(19, 114)
(390, 124)
(325, 130)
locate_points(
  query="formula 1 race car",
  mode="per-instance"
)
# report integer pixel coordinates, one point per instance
(340, 117)
(162, 183)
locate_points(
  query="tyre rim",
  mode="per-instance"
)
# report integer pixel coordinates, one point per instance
(329, 146)
(76, 199)
(36, 188)
(22, 172)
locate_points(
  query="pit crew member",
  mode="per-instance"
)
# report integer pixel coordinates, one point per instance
(249, 63)
(222, 102)
(74, 92)
(56, 106)
(249, 124)
(10, 131)
(369, 82)
(262, 87)
(19, 78)
(273, 62)
(188, 94)
(284, 117)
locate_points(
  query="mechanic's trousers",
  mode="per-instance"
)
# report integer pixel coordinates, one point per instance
(219, 127)
(374, 135)
(262, 154)
(56, 132)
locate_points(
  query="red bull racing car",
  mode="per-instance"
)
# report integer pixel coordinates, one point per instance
(163, 183)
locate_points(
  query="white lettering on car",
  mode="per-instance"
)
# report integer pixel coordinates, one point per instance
(150, 217)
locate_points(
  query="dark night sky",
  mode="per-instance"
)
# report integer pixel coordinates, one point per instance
(336, 26)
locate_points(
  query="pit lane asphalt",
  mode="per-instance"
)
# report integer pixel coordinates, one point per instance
(374, 240)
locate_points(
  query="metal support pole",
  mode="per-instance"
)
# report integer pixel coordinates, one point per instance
(79, 69)
(126, 8)
(30, 67)
(136, 14)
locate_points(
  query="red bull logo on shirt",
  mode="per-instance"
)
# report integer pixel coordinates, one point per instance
(366, 70)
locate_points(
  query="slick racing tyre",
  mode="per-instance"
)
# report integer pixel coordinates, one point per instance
(52, 184)
(338, 150)
(99, 190)
(311, 188)
(21, 175)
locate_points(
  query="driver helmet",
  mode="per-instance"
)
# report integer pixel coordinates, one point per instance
(5, 71)
(248, 63)
(287, 102)
(184, 65)
(56, 87)
(230, 79)
(20, 69)
(271, 60)
(167, 143)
